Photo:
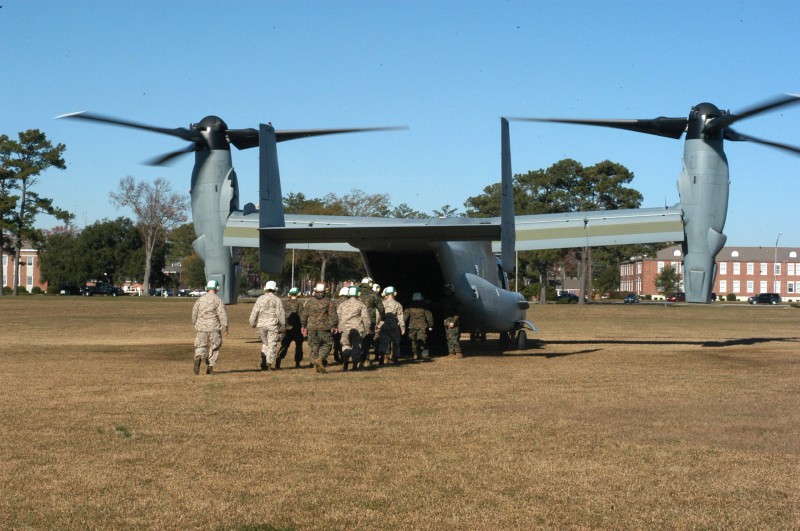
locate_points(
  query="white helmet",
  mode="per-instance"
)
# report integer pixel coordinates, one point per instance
(271, 285)
(294, 291)
(417, 296)
(212, 284)
(319, 288)
(343, 292)
(352, 291)
(376, 288)
(389, 291)
(366, 281)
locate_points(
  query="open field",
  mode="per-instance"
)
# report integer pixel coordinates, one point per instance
(635, 416)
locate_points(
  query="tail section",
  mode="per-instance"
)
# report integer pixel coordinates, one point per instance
(271, 254)
(507, 228)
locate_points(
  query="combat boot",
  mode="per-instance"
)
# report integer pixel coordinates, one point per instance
(278, 363)
(209, 370)
(263, 362)
(345, 363)
(197, 361)
(319, 367)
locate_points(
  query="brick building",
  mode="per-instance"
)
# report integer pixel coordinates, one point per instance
(743, 271)
(29, 276)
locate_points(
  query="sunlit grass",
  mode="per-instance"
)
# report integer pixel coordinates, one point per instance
(623, 417)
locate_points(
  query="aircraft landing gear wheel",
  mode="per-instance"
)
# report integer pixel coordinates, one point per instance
(522, 340)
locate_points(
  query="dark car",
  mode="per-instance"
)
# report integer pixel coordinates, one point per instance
(677, 297)
(102, 288)
(632, 298)
(765, 298)
(567, 298)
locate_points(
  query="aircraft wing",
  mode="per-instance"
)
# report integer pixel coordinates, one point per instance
(598, 228)
(337, 233)
(533, 232)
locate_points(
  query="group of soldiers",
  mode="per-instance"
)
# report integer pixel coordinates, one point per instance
(361, 328)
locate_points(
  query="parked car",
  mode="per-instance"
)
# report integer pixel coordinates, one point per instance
(632, 298)
(677, 297)
(197, 293)
(567, 297)
(102, 288)
(765, 298)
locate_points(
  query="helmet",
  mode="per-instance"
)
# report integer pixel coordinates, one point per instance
(352, 291)
(343, 291)
(376, 288)
(271, 285)
(212, 284)
(294, 291)
(417, 296)
(389, 291)
(319, 288)
(366, 281)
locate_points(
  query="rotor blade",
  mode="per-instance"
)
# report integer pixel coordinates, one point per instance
(166, 158)
(723, 121)
(305, 133)
(243, 138)
(662, 126)
(732, 135)
(185, 134)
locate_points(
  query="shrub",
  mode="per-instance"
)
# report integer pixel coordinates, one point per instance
(730, 297)
(36, 290)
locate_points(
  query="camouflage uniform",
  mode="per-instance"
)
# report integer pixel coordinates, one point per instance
(210, 320)
(318, 318)
(353, 323)
(452, 307)
(420, 320)
(337, 335)
(376, 312)
(392, 327)
(270, 319)
(292, 308)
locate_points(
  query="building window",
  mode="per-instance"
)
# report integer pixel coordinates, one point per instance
(749, 286)
(660, 266)
(762, 268)
(777, 269)
(762, 286)
(723, 268)
(736, 286)
(736, 268)
(723, 286)
(790, 269)
(29, 261)
(750, 268)
(777, 286)
(790, 287)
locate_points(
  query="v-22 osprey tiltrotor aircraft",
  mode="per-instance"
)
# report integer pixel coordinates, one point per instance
(424, 255)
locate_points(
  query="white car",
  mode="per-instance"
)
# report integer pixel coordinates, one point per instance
(197, 293)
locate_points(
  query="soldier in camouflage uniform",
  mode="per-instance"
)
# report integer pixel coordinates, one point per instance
(420, 322)
(391, 328)
(337, 334)
(210, 322)
(318, 320)
(452, 308)
(270, 319)
(354, 323)
(291, 308)
(376, 313)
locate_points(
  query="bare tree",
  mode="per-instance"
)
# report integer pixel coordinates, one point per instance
(158, 210)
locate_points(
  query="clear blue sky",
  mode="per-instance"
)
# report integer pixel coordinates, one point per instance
(446, 69)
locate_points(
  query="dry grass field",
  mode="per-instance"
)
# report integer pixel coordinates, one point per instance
(622, 416)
